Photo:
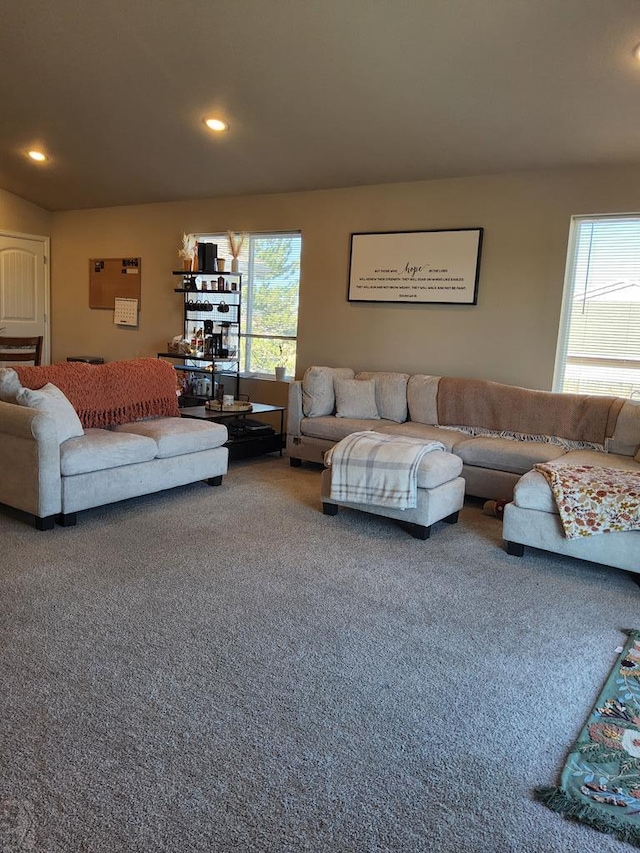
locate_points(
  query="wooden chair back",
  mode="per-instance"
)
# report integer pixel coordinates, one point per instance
(21, 349)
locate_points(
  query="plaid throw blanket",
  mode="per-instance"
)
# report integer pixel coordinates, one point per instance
(593, 500)
(373, 468)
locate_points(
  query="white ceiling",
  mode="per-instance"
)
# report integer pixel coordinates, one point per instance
(318, 93)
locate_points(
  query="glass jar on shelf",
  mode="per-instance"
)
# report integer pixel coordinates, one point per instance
(229, 347)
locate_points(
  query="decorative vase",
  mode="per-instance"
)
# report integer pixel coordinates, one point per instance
(234, 264)
(280, 373)
(220, 264)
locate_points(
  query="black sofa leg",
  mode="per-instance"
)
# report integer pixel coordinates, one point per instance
(215, 481)
(515, 549)
(46, 523)
(67, 519)
(419, 531)
(453, 518)
(295, 462)
(330, 509)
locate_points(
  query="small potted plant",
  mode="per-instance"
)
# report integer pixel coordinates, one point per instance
(281, 367)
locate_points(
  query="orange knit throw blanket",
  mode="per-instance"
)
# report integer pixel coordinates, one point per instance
(107, 394)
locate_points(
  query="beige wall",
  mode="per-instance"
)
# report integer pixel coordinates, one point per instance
(509, 336)
(22, 217)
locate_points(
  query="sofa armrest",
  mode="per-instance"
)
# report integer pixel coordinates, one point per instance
(29, 461)
(294, 409)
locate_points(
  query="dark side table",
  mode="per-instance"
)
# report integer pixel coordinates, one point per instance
(247, 436)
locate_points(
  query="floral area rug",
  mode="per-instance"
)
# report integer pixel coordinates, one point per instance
(600, 782)
(592, 499)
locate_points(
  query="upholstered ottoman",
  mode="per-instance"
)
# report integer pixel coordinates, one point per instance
(532, 519)
(440, 495)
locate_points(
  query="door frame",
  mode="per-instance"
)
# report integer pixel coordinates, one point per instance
(46, 243)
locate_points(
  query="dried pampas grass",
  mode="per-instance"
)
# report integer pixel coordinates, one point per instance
(186, 252)
(236, 241)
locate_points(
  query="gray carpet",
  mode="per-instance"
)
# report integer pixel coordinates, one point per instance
(226, 669)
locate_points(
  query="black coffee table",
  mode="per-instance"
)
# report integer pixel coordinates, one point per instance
(247, 435)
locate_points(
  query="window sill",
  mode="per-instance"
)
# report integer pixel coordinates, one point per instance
(265, 377)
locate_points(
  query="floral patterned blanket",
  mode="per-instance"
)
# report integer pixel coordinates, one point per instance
(594, 500)
(600, 781)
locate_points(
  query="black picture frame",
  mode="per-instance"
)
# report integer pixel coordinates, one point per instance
(437, 267)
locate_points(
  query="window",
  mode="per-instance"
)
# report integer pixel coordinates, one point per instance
(270, 267)
(599, 338)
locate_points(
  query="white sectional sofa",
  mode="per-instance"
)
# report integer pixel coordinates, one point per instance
(499, 431)
(54, 466)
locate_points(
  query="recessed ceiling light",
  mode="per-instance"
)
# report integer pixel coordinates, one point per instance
(216, 124)
(37, 155)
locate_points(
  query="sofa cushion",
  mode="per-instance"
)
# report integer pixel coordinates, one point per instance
(448, 437)
(9, 385)
(506, 454)
(356, 398)
(422, 398)
(438, 467)
(626, 435)
(391, 393)
(51, 399)
(102, 449)
(176, 436)
(334, 429)
(600, 459)
(318, 397)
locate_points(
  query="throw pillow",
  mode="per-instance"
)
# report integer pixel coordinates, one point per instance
(391, 393)
(356, 398)
(9, 385)
(318, 397)
(51, 399)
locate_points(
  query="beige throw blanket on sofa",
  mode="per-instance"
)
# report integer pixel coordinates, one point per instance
(373, 468)
(480, 403)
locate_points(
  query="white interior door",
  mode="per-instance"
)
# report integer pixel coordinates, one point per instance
(24, 288)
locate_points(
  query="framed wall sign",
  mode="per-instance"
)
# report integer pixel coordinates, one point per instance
(416, 266)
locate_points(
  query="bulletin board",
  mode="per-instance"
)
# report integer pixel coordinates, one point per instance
(113, 277)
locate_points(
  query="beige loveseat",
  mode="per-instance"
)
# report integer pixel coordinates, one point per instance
(499, 431)
(95, 434)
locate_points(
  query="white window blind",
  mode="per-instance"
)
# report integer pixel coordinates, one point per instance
(599, 339)
(270, 267)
